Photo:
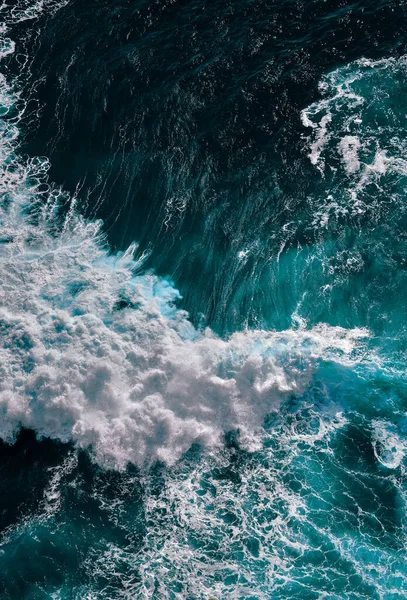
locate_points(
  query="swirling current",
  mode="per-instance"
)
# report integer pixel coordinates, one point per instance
(203, 268)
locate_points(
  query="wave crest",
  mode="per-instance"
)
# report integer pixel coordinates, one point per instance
(93, 352)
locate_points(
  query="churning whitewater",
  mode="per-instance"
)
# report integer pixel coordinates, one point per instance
(94, 353)
(146, 456)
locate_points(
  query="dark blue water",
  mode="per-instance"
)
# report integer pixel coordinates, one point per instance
(202, 301)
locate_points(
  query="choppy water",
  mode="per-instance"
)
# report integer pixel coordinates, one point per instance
(244, 437)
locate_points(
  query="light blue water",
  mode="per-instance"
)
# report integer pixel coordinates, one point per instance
(255, 446)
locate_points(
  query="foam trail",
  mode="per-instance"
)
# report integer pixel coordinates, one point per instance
(355, 98)
(93, 353)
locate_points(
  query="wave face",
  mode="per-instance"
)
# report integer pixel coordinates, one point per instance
(255, 451)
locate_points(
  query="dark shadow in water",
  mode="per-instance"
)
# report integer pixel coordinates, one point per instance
(179, 122)
(59, 512)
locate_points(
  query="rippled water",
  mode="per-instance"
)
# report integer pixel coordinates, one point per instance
(202, 300)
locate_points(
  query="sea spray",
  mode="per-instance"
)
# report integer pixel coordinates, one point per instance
(261, 464)
(94, 353)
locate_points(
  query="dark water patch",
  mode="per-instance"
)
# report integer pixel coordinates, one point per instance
(25, 468)
(59, 513)
(179, 124)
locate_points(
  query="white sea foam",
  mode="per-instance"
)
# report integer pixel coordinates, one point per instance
(388, 447)
(319, 115)
(358, 134)
(93, 353)
(349, 146)
(136, 383)
(354, 99)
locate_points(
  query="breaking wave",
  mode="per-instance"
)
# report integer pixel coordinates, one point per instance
(94, 352)
(300, 490)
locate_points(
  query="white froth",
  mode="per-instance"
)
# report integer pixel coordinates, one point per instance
(358, 136)
(321, 139)
(388, 447)
(318, 116)
(93, 353)
(349, 146)
(136, 383)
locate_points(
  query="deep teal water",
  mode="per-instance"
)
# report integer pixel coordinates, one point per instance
(202, 301)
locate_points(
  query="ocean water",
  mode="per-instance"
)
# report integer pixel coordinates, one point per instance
(203, 282)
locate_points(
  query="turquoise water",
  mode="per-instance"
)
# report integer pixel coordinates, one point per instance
(202, 301)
